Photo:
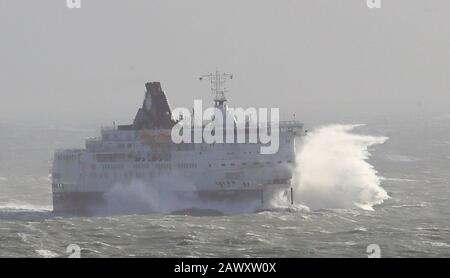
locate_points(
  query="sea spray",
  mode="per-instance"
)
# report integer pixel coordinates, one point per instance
(333, 172)
(169, 195)
(159, 196)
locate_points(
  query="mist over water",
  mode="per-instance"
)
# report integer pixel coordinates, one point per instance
(169, 195)
(333, 171)
(157, 197)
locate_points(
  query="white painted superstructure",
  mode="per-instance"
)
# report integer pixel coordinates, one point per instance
(125, 154)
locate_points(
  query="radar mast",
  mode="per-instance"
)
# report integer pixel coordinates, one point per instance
(218, 81)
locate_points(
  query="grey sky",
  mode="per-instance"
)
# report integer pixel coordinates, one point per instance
(330, 60)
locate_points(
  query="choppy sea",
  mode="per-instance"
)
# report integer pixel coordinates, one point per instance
(385, 183)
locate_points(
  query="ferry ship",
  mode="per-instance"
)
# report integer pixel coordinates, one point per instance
(144, 152)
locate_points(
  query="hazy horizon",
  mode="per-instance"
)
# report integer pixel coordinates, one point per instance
(322, 60)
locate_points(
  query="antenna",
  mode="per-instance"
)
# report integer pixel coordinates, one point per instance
(218, 88)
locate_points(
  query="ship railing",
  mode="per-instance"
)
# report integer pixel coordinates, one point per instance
(291, 123)
(93, 140)
(68, 151)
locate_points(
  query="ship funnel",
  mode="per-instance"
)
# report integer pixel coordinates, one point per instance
(155, 111)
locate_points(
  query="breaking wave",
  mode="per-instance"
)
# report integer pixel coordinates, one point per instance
(333, 171)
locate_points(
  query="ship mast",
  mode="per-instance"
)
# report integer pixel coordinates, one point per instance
(218, 88)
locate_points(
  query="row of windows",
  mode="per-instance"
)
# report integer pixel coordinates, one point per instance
(187, 165)
(118, 157)
(249, 163)
(142, 175)
(110, 157)
(161, 156)
(122, 146)
(223, 184)
(67, 157)
(116, 136)
(163, 166)
(233, 176)
(113, 166)
(160, 166)
(126, 175)
(246, 184)
(146, 166)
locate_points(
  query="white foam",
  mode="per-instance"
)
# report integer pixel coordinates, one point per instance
(333, 171)
(47, 253)
(401, 158)
(438, 244)
(24, 206)
(420, 205)
(398, 179)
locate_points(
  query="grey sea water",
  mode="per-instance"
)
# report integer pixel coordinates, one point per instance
(414, 166)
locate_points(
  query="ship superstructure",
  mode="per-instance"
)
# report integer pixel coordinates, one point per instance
(143, 151)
